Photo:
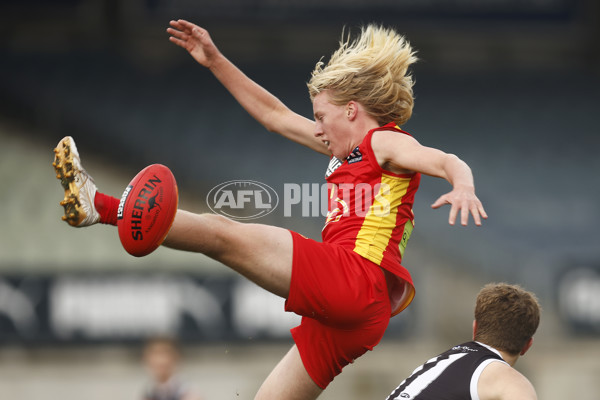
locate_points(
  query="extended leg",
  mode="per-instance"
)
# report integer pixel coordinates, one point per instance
(262, 253)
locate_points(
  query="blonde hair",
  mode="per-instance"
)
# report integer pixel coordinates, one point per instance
(372, 70)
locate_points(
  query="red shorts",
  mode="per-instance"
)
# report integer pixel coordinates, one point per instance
(343, 299)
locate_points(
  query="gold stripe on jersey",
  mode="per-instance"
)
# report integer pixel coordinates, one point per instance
(379, 222)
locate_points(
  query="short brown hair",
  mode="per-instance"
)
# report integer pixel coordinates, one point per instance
(507, 316)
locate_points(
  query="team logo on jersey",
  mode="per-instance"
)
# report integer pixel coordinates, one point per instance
(355, 156)
(464, 348)
(335, 163)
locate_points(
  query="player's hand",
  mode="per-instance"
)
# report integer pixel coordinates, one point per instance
(195, 40)
(462, 199)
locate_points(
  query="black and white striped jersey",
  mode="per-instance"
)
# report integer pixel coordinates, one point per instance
(452, 375)
(172, 390)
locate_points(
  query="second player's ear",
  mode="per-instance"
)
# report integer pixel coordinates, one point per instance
(527, 346)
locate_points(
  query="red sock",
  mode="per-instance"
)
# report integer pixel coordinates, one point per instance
(107, 208)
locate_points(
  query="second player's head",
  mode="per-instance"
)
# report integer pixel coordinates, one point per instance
(507, 317)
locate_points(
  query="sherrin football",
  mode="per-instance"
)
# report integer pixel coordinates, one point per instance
(147, 210)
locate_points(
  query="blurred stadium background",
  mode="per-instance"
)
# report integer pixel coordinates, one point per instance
(512, 87)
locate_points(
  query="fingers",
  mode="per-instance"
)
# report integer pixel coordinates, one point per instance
(177, 28)
(185, 24)
(481, 211)
(182, 26)
(475, 215)
(440, 202)
(465, 210)
(478, 212)
(466, 207)
(474, 209)
(464, 216)
(453, 213)
(198, 33)
(178, 42)
(180, 35)
(181, 29)
(183, 32)
(175, 24)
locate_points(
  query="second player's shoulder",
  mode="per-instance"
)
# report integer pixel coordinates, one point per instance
(500, 381)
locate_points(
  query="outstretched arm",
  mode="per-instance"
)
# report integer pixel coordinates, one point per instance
(267, 109)
(402, 153)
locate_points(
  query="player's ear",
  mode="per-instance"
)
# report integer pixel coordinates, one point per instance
(351, 110)
(527, 346)
(474, 328)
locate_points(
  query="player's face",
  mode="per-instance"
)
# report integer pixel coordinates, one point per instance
(161, 361)
(331, 125)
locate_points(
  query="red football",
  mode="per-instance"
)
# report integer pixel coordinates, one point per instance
(147, 210)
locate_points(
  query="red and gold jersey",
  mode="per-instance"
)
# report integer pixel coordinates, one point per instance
(370, 209)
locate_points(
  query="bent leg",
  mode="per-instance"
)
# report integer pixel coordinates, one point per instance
(289, 381)
(261, 253)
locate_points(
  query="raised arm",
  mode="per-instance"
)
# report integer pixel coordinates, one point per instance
(267, 109)
(401, 153)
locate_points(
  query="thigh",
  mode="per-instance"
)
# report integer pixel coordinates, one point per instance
(335, 285)
(325, 349)
(289, 381)
(262, 253)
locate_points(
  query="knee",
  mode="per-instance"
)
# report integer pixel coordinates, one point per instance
(205, 233)
(220, 231)
(217, 220)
